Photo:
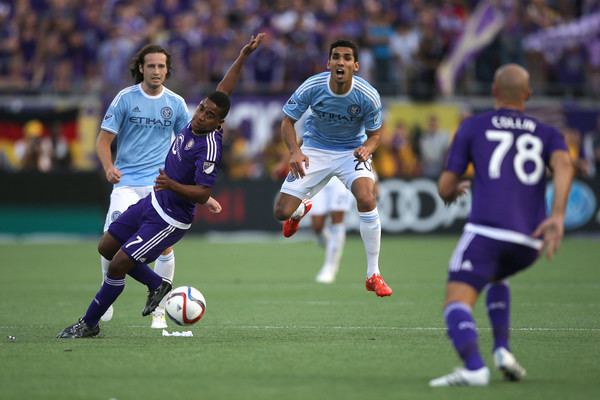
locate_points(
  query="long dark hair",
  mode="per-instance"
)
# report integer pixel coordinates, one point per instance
(138, 60)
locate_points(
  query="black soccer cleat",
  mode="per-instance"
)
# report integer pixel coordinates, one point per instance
(155, 296)
(79, 330)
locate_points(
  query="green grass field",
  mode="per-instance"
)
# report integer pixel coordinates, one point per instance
(271, 333)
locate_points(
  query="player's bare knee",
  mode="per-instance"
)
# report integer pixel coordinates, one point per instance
(366, 203)
(108, 246)
(120, 265)
(167, 251)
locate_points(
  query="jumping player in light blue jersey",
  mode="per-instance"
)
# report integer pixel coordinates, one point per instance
(339, 138)
(162, 218)
(510, 152)
(143, 118)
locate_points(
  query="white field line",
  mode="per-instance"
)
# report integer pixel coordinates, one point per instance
(391, 328)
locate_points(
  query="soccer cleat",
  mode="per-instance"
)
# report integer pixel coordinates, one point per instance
(158, 319)
(376, 284)
(326, 275)
(107, 316)
(508, 365)
(155, 296)
(79, 330)
(463, 377)
(290, 226)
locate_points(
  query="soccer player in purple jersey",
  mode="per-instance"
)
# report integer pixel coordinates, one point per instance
(161, 219)
(508, 227)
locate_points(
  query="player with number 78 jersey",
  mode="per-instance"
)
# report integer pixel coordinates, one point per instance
(510, 151)
(507, 227)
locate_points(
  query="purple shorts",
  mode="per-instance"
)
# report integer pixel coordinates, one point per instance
(143, 234)
(478, 260)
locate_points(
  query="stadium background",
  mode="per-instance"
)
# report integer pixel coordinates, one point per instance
(62, 61)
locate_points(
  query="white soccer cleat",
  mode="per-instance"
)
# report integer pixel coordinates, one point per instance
(326, 275)
(463, 377)
(107, 316)
(158, 319)
(508, 365)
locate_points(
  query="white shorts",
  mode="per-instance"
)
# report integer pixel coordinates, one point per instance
(121, 198)
(333, 197)
(322, 165)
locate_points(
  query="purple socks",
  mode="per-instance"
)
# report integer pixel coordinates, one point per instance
(463, 333)
(498, 308)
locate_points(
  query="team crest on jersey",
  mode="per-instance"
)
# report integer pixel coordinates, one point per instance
(166, 112)
(354, 109)
(114, 215)
(377, 118)
(208, 167)
(291, 103)
(290, 177)
(108, 116)
(189, 144)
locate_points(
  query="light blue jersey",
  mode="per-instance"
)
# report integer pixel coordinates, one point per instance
(145, 126)
(337, 122)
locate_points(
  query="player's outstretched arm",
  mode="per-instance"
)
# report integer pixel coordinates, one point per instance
(232, 76)
(196, 193)
(552, 228)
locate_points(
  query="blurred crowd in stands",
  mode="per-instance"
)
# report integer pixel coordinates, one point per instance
(85, 46)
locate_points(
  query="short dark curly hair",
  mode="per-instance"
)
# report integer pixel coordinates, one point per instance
(345, 43)
(222, 101)
(138, 60)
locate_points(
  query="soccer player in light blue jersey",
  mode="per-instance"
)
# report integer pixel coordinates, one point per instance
(507, 226)
(339, 138)
(143, 118)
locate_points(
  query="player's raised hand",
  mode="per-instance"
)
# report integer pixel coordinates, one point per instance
(552, 229)
(162, 181)
(252, 44)
(298, 161)
(113, 175)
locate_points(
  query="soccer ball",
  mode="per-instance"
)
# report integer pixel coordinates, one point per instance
(185, 305)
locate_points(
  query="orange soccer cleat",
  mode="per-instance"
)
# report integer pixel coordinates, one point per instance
(290, 226)
(376, 284)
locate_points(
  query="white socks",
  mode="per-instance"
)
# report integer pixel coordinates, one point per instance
(336, 236)
(370, 231)
(104, 267)
(165, 266)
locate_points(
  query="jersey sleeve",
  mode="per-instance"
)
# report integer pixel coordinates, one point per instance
(297, 104)
(206, 168)
(459, 155)
(116, 113)
(374, 119)
(556, 141)
(182, 118)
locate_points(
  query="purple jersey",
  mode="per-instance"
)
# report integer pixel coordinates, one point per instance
(192, 160)
(510, 152)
